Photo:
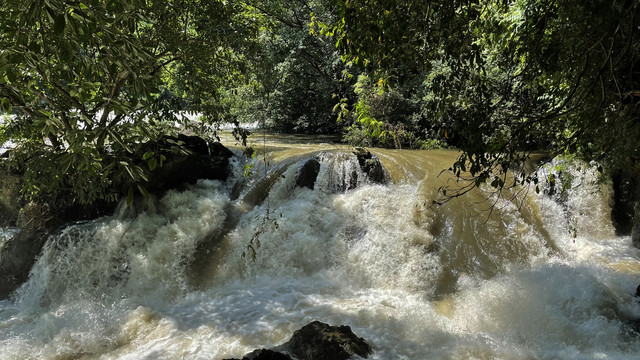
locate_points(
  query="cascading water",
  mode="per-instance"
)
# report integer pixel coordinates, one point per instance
(545, 278)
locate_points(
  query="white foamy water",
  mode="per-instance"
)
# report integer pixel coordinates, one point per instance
(546, 279)
(6, 234)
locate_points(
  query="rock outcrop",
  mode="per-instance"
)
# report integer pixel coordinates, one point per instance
(187, 159)
(308, 174)
(371, 165)
(320, 341)
(18, 256)
(626, 209)
(37, 221)
(316, 341)
(265, 354)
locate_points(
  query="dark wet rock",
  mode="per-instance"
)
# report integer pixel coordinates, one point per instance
(371, 165)
(187, 159)
(308, 174)
(189, 169)
(320, 341)
(625, 215)
(264, 354)
(635, 227)
(195, 144)
(375, 171)
(316, 341)
(217, 149)
(634, 325)
(10, 198)
(17, 257)
(362, 153)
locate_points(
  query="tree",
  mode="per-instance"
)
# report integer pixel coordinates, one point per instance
(90, 81)
(507, 77)
(295, 73)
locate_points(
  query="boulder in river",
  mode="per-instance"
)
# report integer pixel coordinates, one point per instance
(308, 174)
(625, 213)
(217, 149)
(320, 341)
(17, 257)
(264, 354)
(370, 165)
(201, 160)
(316, 341)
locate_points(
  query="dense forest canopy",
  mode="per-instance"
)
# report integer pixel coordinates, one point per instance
(502, 78)
(88, 82)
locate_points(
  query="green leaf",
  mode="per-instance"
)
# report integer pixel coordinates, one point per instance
(153, 163)
(130, 196)
(148, 155)
(58, 24)
(143, 191)
(6, 105)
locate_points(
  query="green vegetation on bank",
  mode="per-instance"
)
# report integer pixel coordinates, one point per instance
(502, 78)
(90, 82)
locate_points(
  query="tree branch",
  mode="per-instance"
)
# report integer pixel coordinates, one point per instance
(62, 91)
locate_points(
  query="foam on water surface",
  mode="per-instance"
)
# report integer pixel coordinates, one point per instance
(544, 280)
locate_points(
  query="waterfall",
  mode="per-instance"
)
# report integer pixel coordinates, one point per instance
(541, 276)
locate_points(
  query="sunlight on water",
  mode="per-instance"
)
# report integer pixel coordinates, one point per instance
(542, 279)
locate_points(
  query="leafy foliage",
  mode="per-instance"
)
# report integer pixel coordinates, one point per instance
(382, 118)
(296, 74)
(503, 78)
(89, 81)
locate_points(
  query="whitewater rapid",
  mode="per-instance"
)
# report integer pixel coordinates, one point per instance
(543, 277)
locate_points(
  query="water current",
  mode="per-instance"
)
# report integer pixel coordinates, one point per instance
(539, 277)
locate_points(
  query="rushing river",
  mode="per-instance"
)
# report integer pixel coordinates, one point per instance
(539, 277)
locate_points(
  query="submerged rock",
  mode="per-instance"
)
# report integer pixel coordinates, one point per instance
(308, 174)
(320, 341)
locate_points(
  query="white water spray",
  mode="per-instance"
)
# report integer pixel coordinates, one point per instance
(547, 279)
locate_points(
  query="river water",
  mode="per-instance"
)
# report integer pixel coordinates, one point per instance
(539, 277)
